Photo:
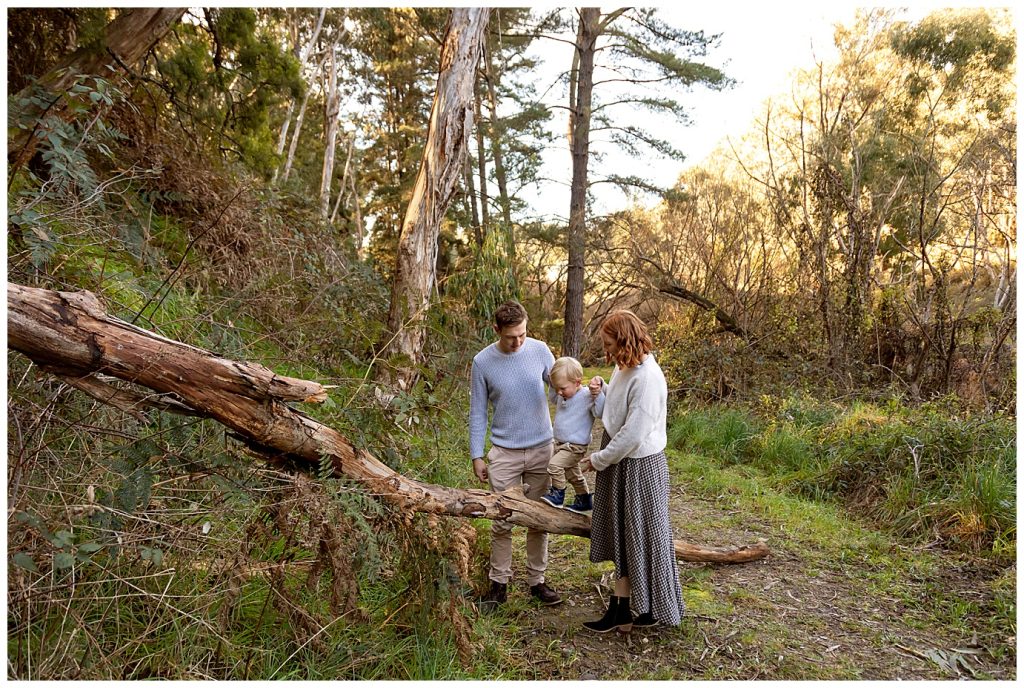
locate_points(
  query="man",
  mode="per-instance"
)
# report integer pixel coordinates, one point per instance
(510, 376)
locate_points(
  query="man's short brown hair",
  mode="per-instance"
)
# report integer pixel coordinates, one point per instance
(508, 314)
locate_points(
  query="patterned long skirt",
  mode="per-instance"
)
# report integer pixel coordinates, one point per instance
(630, 526)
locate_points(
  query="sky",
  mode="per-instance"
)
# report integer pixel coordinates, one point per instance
(760, 47)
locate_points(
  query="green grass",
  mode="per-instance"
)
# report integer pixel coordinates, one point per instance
(791, 463)
(912, 470)
(826, 537)
(604, 371)
(184, 636)
(826, 541)
(723, 435)
(822, 531)
(754, 465)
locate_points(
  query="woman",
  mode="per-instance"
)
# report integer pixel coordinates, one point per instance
(630, 522)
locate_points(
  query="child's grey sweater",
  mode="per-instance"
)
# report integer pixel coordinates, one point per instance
(574, 417)
(513, 385)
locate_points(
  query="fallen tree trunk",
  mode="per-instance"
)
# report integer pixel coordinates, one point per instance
(71, 335)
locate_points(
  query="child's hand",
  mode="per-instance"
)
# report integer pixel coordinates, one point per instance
(596, 383)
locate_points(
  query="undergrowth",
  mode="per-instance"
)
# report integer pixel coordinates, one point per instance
(926, 472)
(152, 546)
(163, 550)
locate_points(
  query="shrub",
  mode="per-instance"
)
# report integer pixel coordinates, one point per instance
(922, 472)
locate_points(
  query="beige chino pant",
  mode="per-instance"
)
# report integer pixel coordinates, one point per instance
(565, 464)
(527, 468)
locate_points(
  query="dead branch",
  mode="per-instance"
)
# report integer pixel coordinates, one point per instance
(71, 332)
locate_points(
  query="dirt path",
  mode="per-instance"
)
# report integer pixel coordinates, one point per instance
(799, 614)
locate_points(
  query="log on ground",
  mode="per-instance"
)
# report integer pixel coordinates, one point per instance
(72, 333)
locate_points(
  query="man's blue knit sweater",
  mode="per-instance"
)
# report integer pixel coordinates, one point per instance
(513, 385)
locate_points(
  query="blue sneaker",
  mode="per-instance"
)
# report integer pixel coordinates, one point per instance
(584, 504)
(554, 497)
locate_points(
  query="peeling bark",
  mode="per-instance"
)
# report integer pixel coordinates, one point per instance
(130, 401)
(451, 120)
(71, 332)
(332, 106)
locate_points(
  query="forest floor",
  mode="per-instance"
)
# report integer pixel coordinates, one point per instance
(834, 600)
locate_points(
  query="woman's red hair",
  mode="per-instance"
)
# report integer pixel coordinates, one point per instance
(630, 335)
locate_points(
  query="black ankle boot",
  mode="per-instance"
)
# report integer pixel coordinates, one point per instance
(618, 617)
(645, 620)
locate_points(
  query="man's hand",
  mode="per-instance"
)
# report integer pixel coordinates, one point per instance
(480, 469)
(595, 385)
(586, 466)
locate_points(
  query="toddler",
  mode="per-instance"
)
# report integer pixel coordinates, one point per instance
(574, 421)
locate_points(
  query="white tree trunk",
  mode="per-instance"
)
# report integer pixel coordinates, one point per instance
(451, 121)
(308, 50)
(303, 57)
(285, 125)
(295, 136)
(331, 108)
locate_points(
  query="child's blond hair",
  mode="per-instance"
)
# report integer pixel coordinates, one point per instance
(566, 368)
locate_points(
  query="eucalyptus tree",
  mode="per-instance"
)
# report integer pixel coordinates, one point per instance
(332, 108)
(322, 41)
(447, 139)
(302, 48)
(623, 60)
(512, 132)
(304, 30)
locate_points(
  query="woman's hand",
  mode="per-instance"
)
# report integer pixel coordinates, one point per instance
(586, 466)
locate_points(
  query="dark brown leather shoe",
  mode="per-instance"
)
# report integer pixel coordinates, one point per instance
(496, 595)
(545, 595)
